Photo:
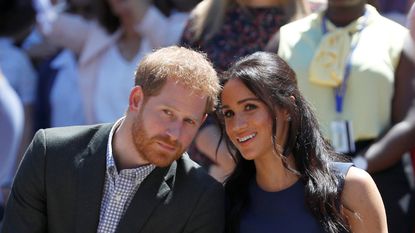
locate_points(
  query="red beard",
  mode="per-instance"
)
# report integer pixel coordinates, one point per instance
(148, 147)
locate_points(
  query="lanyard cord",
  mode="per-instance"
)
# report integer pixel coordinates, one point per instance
(339, 92)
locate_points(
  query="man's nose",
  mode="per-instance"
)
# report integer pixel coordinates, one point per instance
(174, 130)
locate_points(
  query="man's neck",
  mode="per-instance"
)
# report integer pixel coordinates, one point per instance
(342, 16)
(123, 149)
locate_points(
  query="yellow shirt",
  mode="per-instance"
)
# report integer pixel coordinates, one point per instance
(370, 87)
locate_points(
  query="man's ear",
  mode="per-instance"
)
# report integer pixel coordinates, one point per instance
(292, 99)
(204, 118)
(136, 99)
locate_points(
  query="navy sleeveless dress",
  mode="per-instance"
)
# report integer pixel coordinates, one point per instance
(283, 211)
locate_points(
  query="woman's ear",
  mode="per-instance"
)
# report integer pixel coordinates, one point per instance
(136, 99)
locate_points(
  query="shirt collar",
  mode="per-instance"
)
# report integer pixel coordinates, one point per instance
(111, 167)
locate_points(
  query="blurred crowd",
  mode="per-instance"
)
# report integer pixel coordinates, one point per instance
(72, 62)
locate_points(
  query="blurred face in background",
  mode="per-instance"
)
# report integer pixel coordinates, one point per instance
(83, 8)
(117, 6)
(345, 3)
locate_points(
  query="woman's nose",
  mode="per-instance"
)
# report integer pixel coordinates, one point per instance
(240, 123)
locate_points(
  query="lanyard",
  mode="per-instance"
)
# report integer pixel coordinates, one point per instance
(340, 91)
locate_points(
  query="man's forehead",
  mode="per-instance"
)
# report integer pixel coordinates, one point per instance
(181, 99)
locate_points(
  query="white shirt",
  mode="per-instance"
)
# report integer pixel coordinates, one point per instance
(114, 83)
(106, 78)
(11, 129)
(18, 70)
(65, 97)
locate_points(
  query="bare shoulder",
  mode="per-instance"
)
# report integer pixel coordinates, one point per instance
(363, 205)
(358, 188)
(358, 180)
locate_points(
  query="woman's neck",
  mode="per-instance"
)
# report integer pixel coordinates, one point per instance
(272, 176)
(129, 44)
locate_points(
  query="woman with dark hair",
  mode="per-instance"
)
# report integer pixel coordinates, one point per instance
(227, 30)
(287, 177)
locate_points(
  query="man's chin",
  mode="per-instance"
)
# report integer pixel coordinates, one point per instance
(162, 161)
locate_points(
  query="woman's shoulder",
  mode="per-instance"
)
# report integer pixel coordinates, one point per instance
(358, 178)
(362, 202)
(352, 180)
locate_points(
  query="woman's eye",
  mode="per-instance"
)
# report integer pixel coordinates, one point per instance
(227, 114)
(250, 107)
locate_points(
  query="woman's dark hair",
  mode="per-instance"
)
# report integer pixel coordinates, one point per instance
(273, 82)
(167, 6)
(106, 17)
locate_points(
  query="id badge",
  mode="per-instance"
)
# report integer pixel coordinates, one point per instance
(342, 136)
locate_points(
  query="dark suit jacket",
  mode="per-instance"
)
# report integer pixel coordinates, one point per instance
(59, 186)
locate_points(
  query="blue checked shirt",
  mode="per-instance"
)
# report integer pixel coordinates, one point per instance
(119, 189)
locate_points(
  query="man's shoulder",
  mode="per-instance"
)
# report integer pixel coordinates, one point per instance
(77, 130)
(79, 134)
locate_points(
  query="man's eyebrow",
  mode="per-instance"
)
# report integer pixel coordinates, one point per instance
(191, 117)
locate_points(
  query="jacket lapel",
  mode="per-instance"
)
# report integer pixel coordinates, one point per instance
(151, 193)
(91, 167)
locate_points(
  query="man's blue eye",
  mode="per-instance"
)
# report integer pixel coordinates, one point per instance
(190, 121)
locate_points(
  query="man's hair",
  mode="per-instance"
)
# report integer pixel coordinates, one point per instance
(186, 66)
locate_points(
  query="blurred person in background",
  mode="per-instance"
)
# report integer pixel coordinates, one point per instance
(17, 19)
(395, 10)
(317, 5)
(107, 49)
(350, 66)
(59, 101)
(176, 14)
(59, 76)
(227, 30)
(11, 130)
(409, 49)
